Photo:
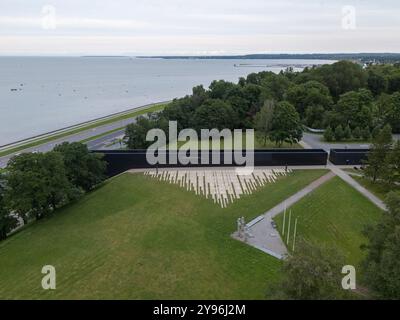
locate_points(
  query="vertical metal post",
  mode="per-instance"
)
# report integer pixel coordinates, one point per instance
(288, 233)
(294, 235)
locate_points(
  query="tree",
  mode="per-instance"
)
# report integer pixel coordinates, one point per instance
(339, 133)
(329, 134)
(356, 108)
(309, 94)
(377, 82)
(357, 133)
(392, 165)
(215, 113)
(366, 134)
(311, 273)
(347, 132)
(390, 109)
(7, 221)
(135, 133)
(286, 125)
(37, 184)
(263, 119)
(314, 116)
(381, 267)
(84, 170)
(377, 155)
(341, 77)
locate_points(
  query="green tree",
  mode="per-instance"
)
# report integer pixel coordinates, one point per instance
(339, 133)
(381, 267)
(309, 94)
(377, 81)
(286, 124)
(356, 108)
(7, 221)
(263, 119)
(215, 114)
(314, 116)
(366, 134)
(342, 77)
(380, 149)
(390, 109)
(37, 184)
(84, 170)
(392, 165)
(357, 133)
(329, 134)
(347, 132)
(135, 133)
(311, 273)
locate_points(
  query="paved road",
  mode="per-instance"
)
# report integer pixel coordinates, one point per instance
(98, 143)
(313, 141)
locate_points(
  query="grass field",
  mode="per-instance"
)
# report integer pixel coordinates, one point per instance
(334, 214)
(259, 143)
(379, 189)
(136, 237)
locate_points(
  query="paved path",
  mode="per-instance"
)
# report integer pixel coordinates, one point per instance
(347, 178)
(264, 236)
(313, 141)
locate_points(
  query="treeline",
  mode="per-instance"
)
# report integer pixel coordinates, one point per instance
(34, 185)
(345, 98)
(383, 163)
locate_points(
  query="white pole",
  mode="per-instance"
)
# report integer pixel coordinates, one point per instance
(284, 221)
(294, 236)
(288, 233)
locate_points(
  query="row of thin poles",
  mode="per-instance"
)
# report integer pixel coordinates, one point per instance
(288, 228)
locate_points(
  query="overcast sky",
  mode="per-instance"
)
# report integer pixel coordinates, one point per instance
(168, 27)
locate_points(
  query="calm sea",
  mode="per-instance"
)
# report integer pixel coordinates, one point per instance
(41, 94)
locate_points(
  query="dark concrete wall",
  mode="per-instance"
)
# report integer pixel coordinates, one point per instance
(121, 160)
(348, 156)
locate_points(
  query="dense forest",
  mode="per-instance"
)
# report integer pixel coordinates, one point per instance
(347, 99)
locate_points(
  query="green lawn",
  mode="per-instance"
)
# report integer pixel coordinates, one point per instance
(259, 143)
(334, 214)
(138, 238)
(379, 189)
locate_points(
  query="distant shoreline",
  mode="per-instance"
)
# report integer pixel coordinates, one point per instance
(306, 56)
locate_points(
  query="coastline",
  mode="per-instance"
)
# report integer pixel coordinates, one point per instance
(74, 129)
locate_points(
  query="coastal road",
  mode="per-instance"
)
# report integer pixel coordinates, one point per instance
(96, 143)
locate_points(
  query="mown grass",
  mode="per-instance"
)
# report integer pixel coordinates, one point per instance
(334, 214)
(138, 238)
(377, 188)
(259, 143)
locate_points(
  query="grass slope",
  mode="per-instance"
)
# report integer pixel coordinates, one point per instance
(334, 214)
(379, 189)
(138, 238)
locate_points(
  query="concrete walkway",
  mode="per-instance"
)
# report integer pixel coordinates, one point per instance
(267, 239)
(347, 178)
